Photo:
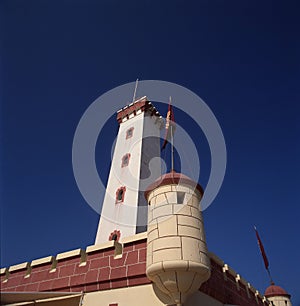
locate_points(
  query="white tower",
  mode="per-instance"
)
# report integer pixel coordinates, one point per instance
(124, 210)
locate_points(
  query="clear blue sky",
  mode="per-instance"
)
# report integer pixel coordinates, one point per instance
(240, 57)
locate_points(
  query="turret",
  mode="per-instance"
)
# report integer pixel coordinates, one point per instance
(177, 258)
(277, 296)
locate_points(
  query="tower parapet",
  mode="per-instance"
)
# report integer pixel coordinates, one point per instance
(177, 257)
(137, 107)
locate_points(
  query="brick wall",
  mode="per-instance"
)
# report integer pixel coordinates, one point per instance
(100, 268)
(226, 286)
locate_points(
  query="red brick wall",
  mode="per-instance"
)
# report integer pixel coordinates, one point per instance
(224, 288)
(103, 271)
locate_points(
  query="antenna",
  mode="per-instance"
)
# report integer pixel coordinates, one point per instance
(134, 93)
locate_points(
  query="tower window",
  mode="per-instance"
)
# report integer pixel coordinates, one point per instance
(129, 133)
(180, 197)
(115, 235)
(125, 160)
(120, 194)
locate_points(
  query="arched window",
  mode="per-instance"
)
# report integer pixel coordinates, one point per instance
(120, 194)
(125, 160)
(129, 132)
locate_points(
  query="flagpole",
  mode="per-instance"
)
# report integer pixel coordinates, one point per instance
(172, 149)
(271, 280)
(136, 85)
(172, 142)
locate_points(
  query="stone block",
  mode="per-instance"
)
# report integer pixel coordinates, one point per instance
(168, 227)
(161, 199)
(188, 231)
(166, 243)
(182, 210)
(185, 279)
(169, 281)
(194, 201)
(160, 211)
(195, 212)
(167, 254)
(191, 249)
(153, 235)
(163, 189)
(189, 221)
(172, 197)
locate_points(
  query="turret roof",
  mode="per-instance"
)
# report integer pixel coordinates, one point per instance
(170, 178)
(274, 290)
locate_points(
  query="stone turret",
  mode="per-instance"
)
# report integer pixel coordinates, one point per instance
(177, 257)
(278, 296)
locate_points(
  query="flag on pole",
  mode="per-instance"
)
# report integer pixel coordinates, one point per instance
(262, 250)
(170, 125)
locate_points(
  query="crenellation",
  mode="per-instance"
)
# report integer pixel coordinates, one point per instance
(18, 267)
(102, 271)
(42, 261)
(68, 254)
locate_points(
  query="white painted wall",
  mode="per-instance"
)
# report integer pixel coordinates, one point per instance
(144, 294)
(123, 216)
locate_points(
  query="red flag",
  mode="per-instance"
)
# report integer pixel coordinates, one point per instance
(170, 125)
(262, 250)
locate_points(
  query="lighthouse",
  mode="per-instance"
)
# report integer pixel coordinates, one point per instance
(135, 162)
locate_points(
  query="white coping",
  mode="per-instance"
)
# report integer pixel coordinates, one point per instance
(133, 238)
(101, 246)
(71, 253)
(139, 110)
(41, 261)
(110, 244)
(225, 268)
(126, 106)
(2, 271)
(142, 98)
(20, 266)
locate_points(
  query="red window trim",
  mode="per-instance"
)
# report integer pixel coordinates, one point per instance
(123, 164)
(123, 195)
(127, 132)
(115, 232)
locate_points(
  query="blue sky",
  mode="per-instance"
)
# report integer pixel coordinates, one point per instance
(240, 57)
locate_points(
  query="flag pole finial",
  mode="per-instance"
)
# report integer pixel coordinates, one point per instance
(135, 89)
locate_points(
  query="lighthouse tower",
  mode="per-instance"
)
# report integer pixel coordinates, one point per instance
(134, 165)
